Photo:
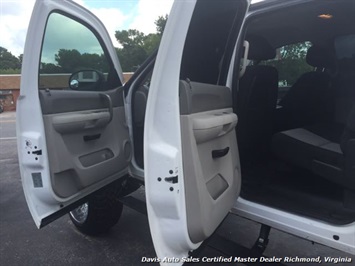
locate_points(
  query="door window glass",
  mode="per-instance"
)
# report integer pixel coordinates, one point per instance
(73, 58)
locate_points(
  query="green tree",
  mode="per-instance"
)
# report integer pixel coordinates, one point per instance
(94, 61)
(10, 71)
(151, 43)
(68, 60)
(129, 38)
(161, 23)
(50, 68)
(132, 53)
(136, 46)
(20, 58)
(8, 60)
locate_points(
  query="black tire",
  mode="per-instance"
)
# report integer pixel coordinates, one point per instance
(1, 109)
(103, 210)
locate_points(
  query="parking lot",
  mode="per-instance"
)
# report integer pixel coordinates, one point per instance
(59, 243)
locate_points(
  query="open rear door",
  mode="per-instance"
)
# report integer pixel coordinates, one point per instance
(71, 125)
(192, 171)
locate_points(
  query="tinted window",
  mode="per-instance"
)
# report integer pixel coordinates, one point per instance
(210, 40)
(70, 47)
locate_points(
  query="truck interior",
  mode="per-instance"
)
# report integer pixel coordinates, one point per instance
(296, 139)
(297, 143)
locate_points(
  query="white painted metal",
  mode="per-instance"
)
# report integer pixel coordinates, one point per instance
(166, 209)
(162, 142)
(310, 229)
(41, 200)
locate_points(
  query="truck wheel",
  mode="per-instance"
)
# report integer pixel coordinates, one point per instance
(99, 214)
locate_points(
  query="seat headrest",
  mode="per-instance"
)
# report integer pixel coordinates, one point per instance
(259, 48)
(317, 56)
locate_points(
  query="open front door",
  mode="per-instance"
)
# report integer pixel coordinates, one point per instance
(192, 171)
(71, 125)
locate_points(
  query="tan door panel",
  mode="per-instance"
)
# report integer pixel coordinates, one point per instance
(210, 156)
(87, 146)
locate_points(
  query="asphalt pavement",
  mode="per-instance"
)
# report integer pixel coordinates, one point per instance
(59, 243)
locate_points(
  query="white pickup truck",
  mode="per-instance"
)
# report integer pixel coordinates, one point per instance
(199, 124)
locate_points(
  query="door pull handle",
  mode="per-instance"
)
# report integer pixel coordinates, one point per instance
(220, 153)
(92, 137)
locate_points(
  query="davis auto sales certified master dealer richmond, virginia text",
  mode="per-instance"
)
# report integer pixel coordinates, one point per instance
(251, 259)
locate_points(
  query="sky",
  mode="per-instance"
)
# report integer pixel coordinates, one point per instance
(115, 14)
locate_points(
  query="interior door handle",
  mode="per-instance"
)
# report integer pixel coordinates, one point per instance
(107, 98)
(91, 137)
(220, 153)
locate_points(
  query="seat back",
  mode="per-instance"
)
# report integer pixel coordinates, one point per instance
(311, 99)
(256, 103)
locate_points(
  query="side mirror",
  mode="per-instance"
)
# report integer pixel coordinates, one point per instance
(86, 80)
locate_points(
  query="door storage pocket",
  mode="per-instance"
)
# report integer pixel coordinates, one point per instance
(96, 157)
